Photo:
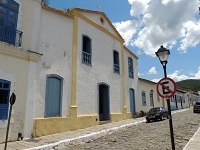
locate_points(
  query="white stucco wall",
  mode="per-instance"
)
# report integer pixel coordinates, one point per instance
(131, 82)
(15, 71)
(101, 71)
(30, 100)
(55, 43)
(36, 27)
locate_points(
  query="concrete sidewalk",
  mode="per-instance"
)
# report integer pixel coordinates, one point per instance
(84, 135)
(194, 142)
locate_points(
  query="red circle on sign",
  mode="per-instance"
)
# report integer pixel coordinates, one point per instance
(172, 91)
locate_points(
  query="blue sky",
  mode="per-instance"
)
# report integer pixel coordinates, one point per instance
(146, 25)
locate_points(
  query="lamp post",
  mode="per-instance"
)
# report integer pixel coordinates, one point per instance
(151, 97)
(163, 54)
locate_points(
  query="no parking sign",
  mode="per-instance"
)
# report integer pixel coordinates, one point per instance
(166, 87)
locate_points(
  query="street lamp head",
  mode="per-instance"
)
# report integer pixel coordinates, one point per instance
(162, 54)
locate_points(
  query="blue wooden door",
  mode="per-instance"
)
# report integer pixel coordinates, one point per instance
(132, 101)
(53, 96)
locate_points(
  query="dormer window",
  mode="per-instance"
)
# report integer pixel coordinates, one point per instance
(102, 20)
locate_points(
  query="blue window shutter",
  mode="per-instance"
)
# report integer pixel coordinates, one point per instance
(130, 67)
(116, 64)
(143, 99)
(8, 21)
(4, 111)
(132, 101)
(53, 96)
(151, 99)
(4, 99)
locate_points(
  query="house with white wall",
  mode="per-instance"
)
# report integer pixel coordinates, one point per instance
(18, 59)
(180, 100)
(148, 96)
(86, 75)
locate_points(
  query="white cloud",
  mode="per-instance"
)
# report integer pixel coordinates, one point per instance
(127, 29)
(152, 71)
(140, 74)
(196, 75)
(192, 35)
(138, 7)
(156, 80)
(161, 22)
(177, 76)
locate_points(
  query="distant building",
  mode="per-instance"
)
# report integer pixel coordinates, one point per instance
(180, 100)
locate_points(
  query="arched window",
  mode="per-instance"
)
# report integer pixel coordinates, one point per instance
(8, 20)
(130, 67)
(116, 62)
(4, 98)
(87, 52)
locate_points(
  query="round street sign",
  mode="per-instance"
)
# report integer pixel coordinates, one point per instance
(166, 87)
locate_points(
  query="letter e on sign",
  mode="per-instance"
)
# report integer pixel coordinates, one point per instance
(166, 87)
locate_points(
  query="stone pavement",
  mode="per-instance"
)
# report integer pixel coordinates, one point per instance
(84, 135)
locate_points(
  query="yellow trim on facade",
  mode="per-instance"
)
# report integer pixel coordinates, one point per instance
(47, 126)
(16, 52)
(99, 27)
(115, 117)
(73, 108)
(123, 80)
(60, 12)
(130, 52)
(99, 13)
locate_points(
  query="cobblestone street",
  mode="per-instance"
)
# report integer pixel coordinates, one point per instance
(146, 136)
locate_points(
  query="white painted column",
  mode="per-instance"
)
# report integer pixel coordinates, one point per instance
(30, 103)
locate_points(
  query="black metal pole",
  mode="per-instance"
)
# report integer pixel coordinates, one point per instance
(12, 101)
(169, 112)
(7, 131)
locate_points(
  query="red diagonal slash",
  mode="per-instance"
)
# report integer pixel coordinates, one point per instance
(165, 87)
